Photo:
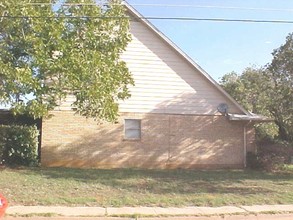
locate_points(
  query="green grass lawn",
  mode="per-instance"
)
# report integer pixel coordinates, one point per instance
(129, 187)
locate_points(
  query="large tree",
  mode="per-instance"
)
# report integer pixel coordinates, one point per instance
(250, 90)
(51, 50)
(280, 90)
(268, 90)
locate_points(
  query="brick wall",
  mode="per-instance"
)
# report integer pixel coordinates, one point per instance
(167, 141)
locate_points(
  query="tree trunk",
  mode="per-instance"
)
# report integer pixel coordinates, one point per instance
(283, 133)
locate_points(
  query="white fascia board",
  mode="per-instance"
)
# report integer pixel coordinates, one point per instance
(252, 117)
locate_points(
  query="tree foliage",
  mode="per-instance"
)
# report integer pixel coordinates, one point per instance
(280, 89)
(247, 88)
(268, 90)
(51, 51)
(18, 145)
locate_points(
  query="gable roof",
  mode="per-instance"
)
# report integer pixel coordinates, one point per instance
(136, 15)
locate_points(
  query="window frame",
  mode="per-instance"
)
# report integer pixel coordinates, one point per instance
(132, 129)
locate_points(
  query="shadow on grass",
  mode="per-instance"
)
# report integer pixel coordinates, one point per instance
(169, 181)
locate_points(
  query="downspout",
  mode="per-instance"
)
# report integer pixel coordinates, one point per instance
(245, 143)
(169, 142)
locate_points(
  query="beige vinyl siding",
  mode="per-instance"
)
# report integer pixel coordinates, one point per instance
(164, 81)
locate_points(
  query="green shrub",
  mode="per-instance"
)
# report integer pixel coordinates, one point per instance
(272, 162)
(18, 145)
(271, 155)
(266, 132)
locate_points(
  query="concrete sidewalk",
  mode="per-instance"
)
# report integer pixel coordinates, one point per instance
(145, 211)
(226, 217)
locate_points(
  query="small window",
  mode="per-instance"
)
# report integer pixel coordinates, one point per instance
(132, 129)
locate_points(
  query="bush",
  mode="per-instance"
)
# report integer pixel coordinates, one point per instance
(271, 162)
(266, 132)
(273, 156)
(18, 145)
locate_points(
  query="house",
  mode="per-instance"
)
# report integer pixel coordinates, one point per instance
(177, 116)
